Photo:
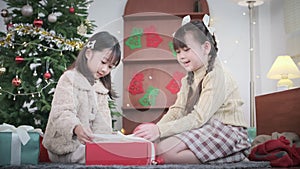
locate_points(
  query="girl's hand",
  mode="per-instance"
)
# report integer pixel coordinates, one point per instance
(83, 134)
(148, 131)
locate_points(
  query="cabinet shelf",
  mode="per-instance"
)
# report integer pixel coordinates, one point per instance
(135, 60)
(162, 16)
(160, 53)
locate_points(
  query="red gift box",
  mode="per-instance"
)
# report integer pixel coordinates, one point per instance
(43, 156)
(120, 153)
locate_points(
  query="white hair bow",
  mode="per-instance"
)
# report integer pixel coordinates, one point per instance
(206, 23)
(205, 20)
(91, 44)
(186, 20)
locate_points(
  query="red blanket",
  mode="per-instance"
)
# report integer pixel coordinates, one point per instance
(278, 152)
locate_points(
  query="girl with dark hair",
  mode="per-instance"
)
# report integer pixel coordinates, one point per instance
(80, 103)
(206, 124)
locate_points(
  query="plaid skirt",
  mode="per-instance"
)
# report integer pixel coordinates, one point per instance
(216, 142)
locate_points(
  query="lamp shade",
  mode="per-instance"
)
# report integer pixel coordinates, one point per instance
(284, 66)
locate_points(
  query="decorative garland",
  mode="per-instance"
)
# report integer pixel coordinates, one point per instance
(28, 29)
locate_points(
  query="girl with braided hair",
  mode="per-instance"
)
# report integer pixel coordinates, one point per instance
(206, 124)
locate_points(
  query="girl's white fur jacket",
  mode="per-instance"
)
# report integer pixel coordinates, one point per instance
(74, 103)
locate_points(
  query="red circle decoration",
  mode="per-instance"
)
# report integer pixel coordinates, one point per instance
(19, 59)
(16, 81)
(47, 75)
(38, 22)
(71, 9)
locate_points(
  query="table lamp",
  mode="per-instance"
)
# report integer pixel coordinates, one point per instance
(284, 69)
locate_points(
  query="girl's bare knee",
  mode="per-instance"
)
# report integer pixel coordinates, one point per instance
(169, 148)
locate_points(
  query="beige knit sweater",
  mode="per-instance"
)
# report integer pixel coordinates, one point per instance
(74, 103)
(219, 99)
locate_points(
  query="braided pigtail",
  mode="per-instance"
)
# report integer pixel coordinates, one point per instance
(201, 33)
(190, 80)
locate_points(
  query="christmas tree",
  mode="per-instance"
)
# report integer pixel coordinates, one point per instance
(42, 40)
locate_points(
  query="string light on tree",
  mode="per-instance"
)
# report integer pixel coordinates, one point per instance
(34, 72)
(2, 70)
(32, 94)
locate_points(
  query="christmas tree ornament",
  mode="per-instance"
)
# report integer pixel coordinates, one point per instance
(2, 70)
(88, 23)
(82, 29)
(72, 9)
(38, 22)
(52, 18)
(9, 26)
(123, 131)
(47, 75)
(19, 59)
(27, 10)
(16, 81)
(4, 12)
